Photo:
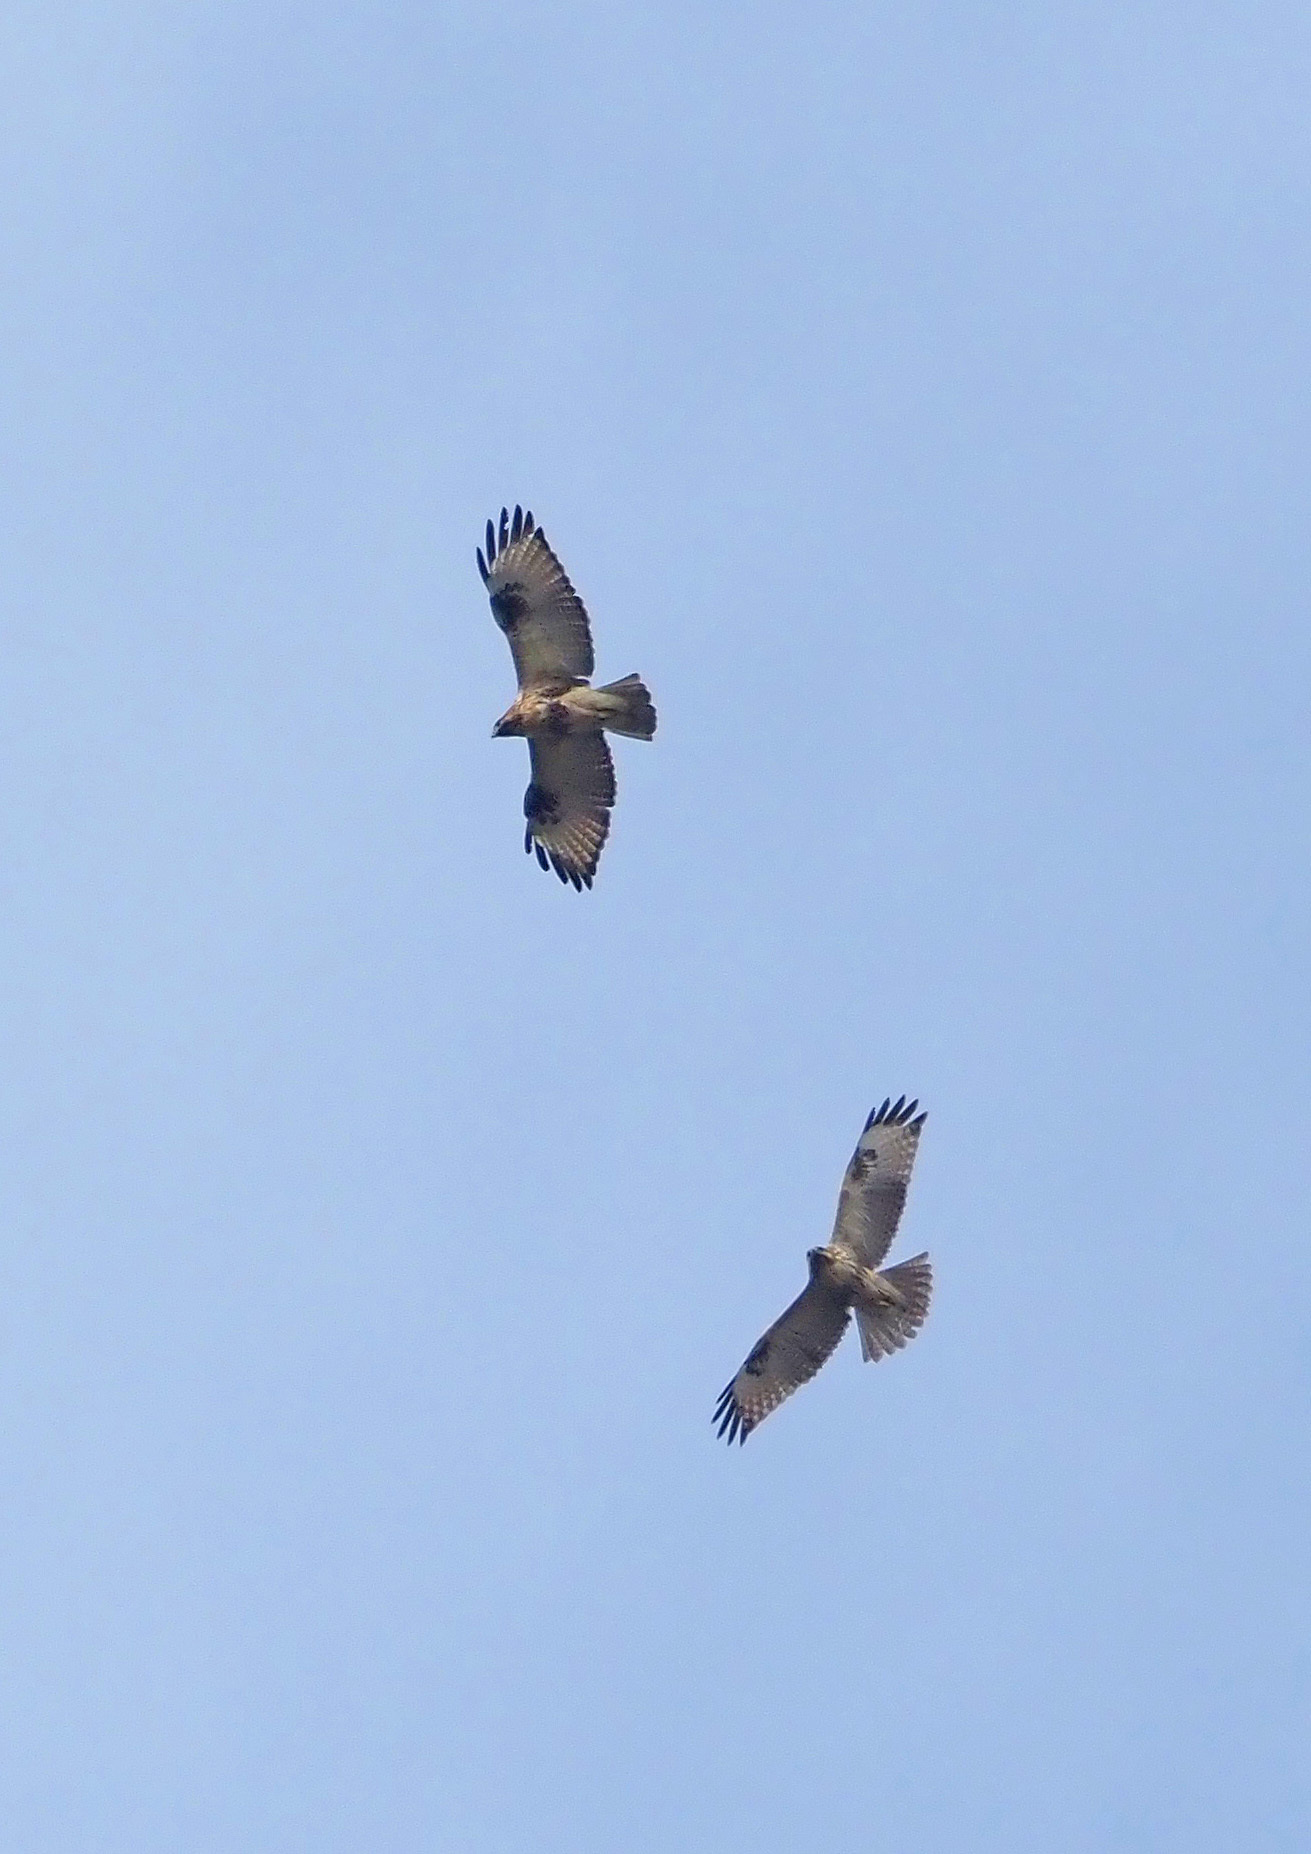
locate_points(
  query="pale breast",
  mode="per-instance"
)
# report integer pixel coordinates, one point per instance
(543, 714)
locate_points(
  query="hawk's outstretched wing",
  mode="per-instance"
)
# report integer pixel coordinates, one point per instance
(535, 605)
(788, 1356)
(875, 1183)
(567, 804)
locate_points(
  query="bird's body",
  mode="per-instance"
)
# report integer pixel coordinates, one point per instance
(564, 719)
(890, 1304)
(840, 1274)
(578, 708)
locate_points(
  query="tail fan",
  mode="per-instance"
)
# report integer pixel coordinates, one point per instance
(885, 1329)
(627, 709)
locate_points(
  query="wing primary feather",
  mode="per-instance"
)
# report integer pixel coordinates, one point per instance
(732, 1421)
(528, 521)
(893, 1113)
(541, 856)
(491, 543)
(482, 567)
(505, 528)
(516, 528)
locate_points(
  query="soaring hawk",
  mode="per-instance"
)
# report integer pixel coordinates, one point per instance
(571, 785)
(890, 1306)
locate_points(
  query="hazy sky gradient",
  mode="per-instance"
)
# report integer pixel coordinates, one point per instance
(918, 397)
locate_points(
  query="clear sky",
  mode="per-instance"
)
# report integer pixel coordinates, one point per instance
(918, 395)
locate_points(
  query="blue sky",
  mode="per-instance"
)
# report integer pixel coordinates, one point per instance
(918, 397)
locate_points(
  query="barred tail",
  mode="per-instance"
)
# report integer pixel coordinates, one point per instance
(627, 708)
(885, 1329)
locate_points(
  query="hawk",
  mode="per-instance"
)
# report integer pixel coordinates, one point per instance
(571, 783)
(890, 1305)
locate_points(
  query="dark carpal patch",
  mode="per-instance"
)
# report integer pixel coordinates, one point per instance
(755, 1364)
(509, 606)
(540, 806)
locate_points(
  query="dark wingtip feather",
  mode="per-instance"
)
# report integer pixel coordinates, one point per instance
(528, 840)
(505, 527)
(733, 1423)
(482, 567)
(894, 1114)
(541, 856)
(516, 526)
(491, 543)
(528, 521)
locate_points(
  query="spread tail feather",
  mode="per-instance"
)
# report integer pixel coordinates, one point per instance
(885, 1329)
(625, 708)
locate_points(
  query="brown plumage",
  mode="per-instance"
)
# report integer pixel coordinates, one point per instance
(571, 787)
(890, 1304)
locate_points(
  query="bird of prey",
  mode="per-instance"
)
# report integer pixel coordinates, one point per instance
(571, 784)
(890, 1305)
